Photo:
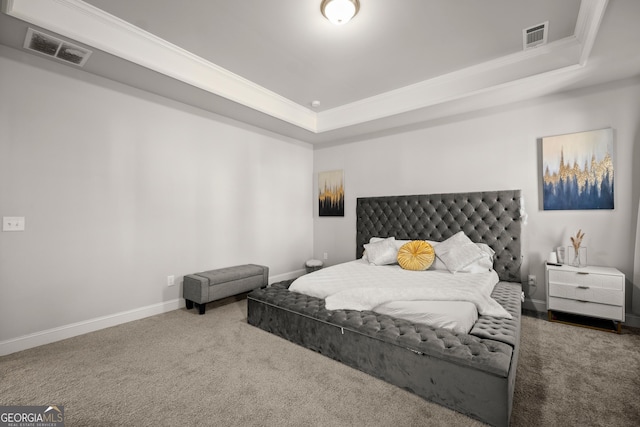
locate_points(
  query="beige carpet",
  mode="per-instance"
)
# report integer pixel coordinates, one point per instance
(182, 369)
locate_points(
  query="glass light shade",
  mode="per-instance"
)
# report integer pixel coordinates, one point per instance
(339, 12)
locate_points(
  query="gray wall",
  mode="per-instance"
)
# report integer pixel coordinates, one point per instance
(500, 149)
(121, 189)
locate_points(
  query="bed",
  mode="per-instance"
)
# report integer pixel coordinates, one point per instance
(473, 373)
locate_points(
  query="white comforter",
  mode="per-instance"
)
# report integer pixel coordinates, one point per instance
(356, 285)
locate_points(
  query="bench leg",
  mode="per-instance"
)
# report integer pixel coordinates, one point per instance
(189, 304)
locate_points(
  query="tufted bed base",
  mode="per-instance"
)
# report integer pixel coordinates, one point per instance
(471, 373)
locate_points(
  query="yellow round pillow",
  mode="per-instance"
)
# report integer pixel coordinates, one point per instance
(416, 255)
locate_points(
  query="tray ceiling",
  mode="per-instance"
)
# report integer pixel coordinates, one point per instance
(263, 63)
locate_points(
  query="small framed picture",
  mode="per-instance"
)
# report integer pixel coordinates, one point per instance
(331, 193)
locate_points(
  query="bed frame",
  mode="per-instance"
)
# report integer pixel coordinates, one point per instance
(471, 373)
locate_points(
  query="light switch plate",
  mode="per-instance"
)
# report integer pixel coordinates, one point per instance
(12, 223)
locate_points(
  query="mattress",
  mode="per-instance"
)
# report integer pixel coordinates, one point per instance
(433, 298)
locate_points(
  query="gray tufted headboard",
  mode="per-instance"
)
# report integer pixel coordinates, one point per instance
(491, 217)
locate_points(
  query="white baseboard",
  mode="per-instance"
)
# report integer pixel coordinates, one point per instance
(535, 305)
(631, 319)
(68, 331)
(286, 276)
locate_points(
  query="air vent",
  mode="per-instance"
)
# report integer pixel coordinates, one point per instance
(535, 36)
(56, 48)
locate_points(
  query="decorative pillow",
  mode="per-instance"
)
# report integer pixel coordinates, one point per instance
(416, 255)
(381, 252)
(458, 252)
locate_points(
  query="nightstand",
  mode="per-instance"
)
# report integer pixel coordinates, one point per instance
(587, 291)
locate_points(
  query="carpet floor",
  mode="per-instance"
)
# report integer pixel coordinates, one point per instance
(182, 369)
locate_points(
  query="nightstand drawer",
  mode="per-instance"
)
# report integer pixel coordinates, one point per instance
(586, 308)
(586, 293)
(591, 280)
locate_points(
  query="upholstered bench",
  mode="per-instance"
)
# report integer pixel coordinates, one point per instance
(208, 286)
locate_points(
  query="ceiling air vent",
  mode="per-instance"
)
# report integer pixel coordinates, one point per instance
(535, 36)
(56, 48)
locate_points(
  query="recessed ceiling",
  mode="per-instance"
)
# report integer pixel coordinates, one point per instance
(264, 62)
(288, 47)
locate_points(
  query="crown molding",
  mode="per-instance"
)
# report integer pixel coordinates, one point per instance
(587, 25)
(87, 24)
(456, 85)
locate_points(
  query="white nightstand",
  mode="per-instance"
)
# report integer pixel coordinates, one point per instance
(587, 291)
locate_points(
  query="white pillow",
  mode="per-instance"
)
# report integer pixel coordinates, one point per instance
(458, 252)
(437, 263)
(371, 240)
(484, 264)
(382, 252)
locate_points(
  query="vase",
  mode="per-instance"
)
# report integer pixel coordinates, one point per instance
(577, 258)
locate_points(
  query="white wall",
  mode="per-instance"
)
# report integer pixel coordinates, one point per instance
(493, 150)
(120, 189)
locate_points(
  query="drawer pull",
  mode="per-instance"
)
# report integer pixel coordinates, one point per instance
(584, 273)
(580, 300)
(583, 287)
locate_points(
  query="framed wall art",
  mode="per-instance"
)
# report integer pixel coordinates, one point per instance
(331, 193)
(577, 171)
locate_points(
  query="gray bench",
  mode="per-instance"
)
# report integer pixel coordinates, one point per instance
(208, 286)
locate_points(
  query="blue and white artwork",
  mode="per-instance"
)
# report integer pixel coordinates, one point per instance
(577, 170)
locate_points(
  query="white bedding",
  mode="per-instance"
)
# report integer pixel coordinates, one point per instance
(457, 316)
(436, 298)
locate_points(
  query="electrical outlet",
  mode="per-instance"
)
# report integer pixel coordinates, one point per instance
(532, 280)
(325, 256)
(171, 280)
(12, 223)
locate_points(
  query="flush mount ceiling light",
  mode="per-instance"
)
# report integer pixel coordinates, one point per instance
(339, 12)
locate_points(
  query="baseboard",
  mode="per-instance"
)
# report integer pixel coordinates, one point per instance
(286, 276)
(632, 320)
(68, 331)
(535, 305)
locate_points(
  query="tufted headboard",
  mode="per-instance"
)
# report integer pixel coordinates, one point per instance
(491, 217)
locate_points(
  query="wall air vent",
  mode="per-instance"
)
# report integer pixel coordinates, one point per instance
(55, 48)
(535, 36)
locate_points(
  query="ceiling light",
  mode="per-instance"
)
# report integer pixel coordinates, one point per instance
(339, 12)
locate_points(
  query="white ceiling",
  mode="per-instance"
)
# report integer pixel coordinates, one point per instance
(396, 64)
